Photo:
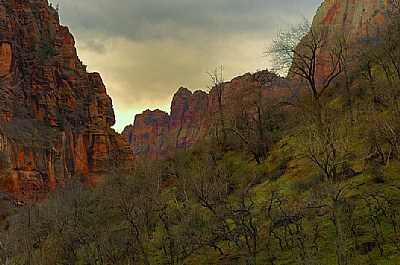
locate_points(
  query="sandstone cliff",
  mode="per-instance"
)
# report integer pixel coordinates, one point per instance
(357, 19)
(348, 26)
(55, 118)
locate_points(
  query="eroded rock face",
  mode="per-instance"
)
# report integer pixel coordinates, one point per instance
(55, 118)
(349, 24)
(188, 111)
(156, 134)
(357, 19)
(148, 133)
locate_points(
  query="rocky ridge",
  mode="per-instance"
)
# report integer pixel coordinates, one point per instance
(193, 116)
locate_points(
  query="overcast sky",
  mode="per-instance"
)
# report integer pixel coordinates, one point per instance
(146, 49)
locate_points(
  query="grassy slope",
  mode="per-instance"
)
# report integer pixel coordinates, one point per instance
(295, 183)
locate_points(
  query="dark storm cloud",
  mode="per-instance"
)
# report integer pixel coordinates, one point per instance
(148, 19)
(146, 49)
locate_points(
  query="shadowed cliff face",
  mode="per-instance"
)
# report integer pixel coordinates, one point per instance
(55, 118)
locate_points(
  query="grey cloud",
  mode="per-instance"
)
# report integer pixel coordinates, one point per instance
(149, 19)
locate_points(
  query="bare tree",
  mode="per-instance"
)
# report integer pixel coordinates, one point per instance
(327, 145)
(252, 116)
(297, 51)
(217, 80)
(380, 69)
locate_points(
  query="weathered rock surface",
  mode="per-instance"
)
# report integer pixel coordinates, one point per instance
(187, 126)
(357, 19)
(55, 118)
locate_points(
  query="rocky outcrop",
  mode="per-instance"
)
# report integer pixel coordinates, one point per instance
(193, 117)
(55, 118)
(148, 133)
(156, 134)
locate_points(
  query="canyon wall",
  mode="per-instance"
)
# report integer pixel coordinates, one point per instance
(55, 118)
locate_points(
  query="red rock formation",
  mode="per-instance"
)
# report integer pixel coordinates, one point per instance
(192, 117)
(55, 118)
(187, 113)
(148, 134)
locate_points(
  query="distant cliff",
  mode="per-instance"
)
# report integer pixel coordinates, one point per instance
(55, 118)
(192, 118)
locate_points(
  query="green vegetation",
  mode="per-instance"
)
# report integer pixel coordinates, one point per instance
(47, 50)
(32, 44)
(312, 179)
